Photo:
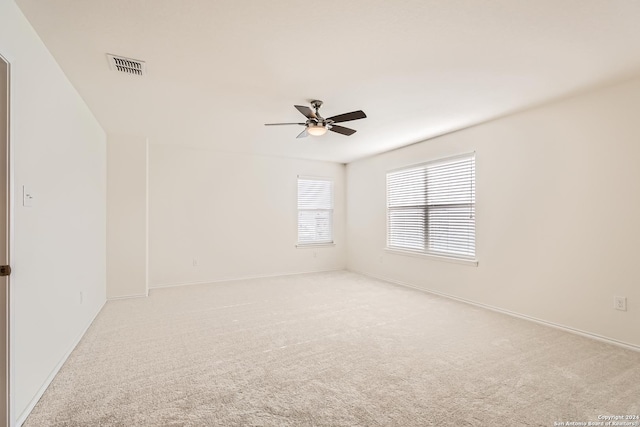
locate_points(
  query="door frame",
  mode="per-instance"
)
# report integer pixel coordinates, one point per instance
(5, 321)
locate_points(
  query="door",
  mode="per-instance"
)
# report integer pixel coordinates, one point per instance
(4, 242)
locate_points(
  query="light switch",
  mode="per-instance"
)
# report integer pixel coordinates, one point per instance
(27, 197)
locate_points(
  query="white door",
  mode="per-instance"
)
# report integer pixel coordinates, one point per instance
(4, 241)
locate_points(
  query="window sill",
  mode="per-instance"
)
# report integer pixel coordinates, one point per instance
(462, 261)
(315, 245)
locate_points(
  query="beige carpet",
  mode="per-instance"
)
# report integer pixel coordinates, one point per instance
(330, 349)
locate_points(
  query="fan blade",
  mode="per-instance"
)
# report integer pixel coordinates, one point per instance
(347, 117)
(280, 124)
(303, 134)
(343, 130)
(306, 111)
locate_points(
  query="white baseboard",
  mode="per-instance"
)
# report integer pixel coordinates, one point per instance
(508, 312)
(237, 278)
(146, 294)
(23, 417)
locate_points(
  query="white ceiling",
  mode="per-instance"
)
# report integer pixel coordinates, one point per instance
(218, 70)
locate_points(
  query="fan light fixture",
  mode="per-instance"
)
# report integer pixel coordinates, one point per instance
(316, 130)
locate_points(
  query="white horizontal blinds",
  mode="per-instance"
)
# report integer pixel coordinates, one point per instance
(451, 198)
(431, 208)
(406, 213)
(315, 211)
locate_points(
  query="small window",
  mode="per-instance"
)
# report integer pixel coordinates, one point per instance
(315, 211)
(431, 208)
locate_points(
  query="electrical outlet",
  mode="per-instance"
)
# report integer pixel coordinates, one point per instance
(195, 262)
(315, 254)
(620, 303)
(81, 297)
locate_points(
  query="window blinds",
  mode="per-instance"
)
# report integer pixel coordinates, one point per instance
(315, 211)
(431, 208)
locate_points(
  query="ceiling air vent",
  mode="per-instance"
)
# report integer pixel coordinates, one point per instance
(127, 65)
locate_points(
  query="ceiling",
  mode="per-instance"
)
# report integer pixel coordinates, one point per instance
(218, 70)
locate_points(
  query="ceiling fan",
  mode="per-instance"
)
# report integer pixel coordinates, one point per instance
(317, 125)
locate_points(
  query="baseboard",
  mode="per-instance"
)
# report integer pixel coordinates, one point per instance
(565, 328)
(23, 417)
(237, 278)
(146, 294)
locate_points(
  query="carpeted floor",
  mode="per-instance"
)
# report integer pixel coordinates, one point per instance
(330, 349)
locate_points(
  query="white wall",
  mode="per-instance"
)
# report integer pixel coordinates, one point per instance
(126, 216)
(58, 245)
(235, 214)
(558, 209)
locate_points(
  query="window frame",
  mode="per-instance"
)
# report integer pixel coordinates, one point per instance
(426, 253)
(331, 212)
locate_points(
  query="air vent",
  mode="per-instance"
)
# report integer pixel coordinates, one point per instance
(127, 65)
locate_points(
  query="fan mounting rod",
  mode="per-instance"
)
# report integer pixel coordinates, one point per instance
(316, 104)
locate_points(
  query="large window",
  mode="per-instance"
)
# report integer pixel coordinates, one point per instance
(315, 211)
(431, 208)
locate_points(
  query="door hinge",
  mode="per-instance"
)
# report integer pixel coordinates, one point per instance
(5, 270)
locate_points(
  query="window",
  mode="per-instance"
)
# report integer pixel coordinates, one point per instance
(431, 208)
(315, 211)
